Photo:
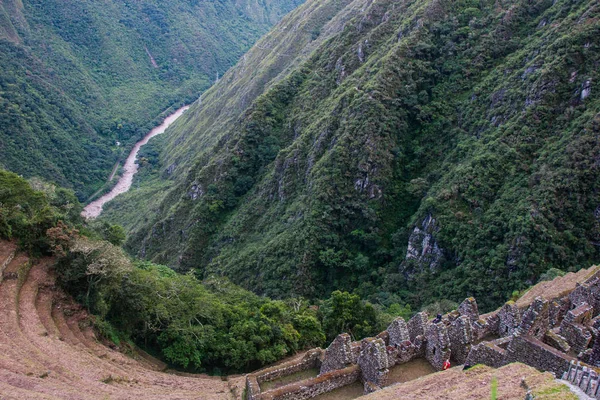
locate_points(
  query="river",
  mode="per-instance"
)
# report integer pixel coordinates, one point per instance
(94, 209)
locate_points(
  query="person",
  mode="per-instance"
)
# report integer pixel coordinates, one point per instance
(446, 365)
(438, 319)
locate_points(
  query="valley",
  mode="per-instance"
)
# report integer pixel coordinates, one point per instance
(130, 167)
(289, 199)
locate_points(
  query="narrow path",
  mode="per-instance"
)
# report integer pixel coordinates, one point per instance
(130, 168)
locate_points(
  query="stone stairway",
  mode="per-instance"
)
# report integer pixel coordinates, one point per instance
(48, 349)
(584, 377)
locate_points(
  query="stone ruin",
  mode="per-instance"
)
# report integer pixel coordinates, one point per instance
(548, 334)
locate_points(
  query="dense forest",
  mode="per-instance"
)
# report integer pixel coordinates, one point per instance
(81, 81)
(406, 151)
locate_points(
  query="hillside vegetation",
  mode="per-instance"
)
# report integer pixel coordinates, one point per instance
(79, 76)
(411, 151)
(193, 324)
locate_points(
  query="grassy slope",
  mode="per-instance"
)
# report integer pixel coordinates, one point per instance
(77, 76)
(470, 111)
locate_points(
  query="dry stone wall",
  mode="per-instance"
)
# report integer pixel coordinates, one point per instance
(547, 335)
(338, 355)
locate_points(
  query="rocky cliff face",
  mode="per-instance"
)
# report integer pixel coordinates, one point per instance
(423, 250)
(457, 139)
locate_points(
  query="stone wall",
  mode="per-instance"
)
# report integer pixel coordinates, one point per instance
(397, 332)
(373, 363)
(536, 320)
(437, 349)
(417, 325)
(586, 378)
(509, 319)
(487, 353)
(469, 309)
(309, 388)
(569, 323)
(531, 351)
(461, 337)
(311, 359)
(573, 327)
(338, 355)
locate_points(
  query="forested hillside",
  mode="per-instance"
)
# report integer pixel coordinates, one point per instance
(193, 324)
(416, 151)
(79, 76)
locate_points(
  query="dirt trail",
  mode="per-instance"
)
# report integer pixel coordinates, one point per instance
(94, 209)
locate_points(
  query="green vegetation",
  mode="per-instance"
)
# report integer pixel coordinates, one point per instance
(78, 77)
(26, 214)
(210, 325)
(477, 116)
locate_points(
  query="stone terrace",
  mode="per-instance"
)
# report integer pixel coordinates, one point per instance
(48, 349)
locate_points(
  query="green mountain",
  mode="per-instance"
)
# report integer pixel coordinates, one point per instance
(411, 151)
(77, 77)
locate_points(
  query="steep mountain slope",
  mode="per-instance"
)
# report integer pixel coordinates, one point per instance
(424, 150)
(79, 76)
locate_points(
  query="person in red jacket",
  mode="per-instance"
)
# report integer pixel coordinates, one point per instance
(446, 365)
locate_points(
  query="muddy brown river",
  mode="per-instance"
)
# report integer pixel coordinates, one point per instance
(94, 209)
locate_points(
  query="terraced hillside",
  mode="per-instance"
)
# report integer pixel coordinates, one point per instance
(48, 350)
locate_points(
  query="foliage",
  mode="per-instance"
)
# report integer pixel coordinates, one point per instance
(26, 214)
(551, 274)
(475, 114)
(78, 77)
(193, 325)
(345, 312)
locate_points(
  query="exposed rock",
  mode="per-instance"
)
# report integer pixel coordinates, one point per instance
(195, 191)
(586, 90)
(423, 250)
